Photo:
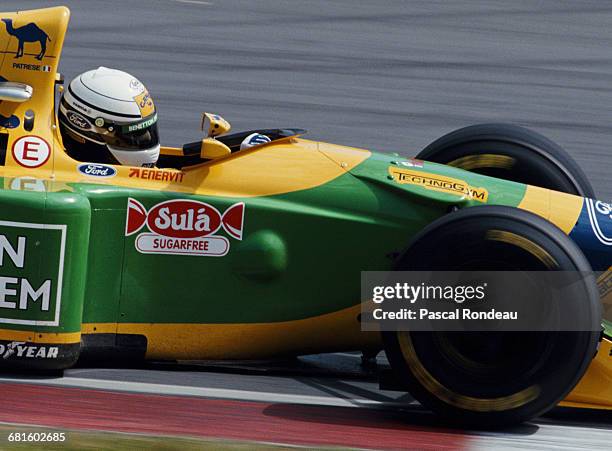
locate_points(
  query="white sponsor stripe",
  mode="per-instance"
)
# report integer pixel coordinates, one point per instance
(595, 224)
(95, 113)
(233, 231)
(194, 2)
(203, 392)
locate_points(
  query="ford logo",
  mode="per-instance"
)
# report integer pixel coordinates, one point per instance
(97, 170)
(77, 120)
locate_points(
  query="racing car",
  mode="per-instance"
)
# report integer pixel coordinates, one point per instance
(227, 253)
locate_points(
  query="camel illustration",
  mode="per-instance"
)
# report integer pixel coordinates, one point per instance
(28, 33)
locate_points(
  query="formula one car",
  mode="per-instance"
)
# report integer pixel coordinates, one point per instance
(222, 253)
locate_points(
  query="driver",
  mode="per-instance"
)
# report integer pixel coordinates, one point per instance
(107, 116)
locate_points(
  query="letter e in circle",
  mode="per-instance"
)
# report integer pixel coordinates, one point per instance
(31, 151)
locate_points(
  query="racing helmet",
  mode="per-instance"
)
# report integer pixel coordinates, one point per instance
(254, 139)
(107, 116)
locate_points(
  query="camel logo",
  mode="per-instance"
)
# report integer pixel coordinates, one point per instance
(28, 33)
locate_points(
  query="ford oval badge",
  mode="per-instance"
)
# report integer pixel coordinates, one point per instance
(96, 170)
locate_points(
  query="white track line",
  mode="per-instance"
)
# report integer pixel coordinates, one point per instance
(176, 390)
(545, 437)
(194, 2)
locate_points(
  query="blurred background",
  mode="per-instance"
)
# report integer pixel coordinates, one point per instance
(390, 75)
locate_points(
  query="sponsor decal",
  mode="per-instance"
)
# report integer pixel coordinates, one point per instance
(84, 109)
(20, 349)
(438, 183)
(30, 284)
(31, 151)
(78, 121)
(96, 170)
(29, 33)
(161, 175)
(135, 84)
(183, 227)
(139, 126)
(32, 67)
(9, 121)
(600, 216)
(412, 163)
(145, 103)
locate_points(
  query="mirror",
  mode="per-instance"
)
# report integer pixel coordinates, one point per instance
(212, 149)
(15, 92)
(214, 125)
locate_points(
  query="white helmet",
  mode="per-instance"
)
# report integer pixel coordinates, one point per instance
(108, 116)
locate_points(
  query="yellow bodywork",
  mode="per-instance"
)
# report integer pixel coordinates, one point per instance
(594, 390)
(561, 209)
(258, 340)
(238, 175)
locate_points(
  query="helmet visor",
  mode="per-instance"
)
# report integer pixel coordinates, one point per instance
(138, 135)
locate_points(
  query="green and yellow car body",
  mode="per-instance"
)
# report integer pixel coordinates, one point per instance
(254, 255)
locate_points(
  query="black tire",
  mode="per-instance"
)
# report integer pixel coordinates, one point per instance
(512, 153)
(493, 379)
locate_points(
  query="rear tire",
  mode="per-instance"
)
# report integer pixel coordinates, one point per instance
(492, 379)
(512, 153)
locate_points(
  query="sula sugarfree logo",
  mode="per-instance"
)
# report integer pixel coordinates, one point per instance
(184, 227)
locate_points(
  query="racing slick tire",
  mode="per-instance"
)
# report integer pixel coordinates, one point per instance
(494, 379)
(512, 153)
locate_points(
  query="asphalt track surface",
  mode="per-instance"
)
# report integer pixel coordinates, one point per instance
(390, 76)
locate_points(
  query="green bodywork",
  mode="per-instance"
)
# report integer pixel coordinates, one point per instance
(301, 255)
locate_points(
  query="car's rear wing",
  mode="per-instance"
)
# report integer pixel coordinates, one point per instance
(30, 47)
